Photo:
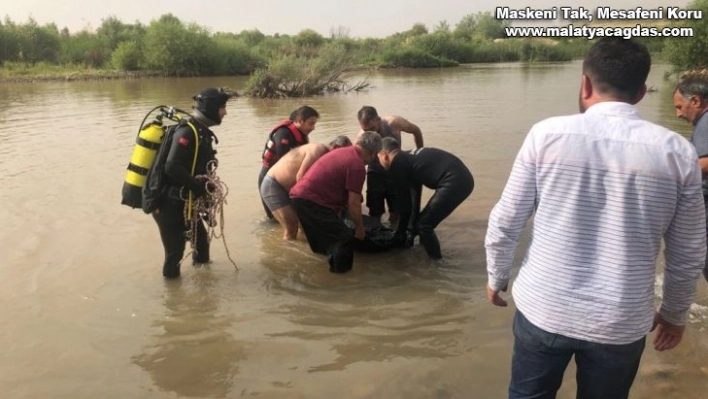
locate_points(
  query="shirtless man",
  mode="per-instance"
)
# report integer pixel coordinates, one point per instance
(282, 176)
(379, 187)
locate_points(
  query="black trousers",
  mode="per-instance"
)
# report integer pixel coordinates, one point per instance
(170, 221)
(327, 234)
(380, 190)
(446, 198)
(261, 176)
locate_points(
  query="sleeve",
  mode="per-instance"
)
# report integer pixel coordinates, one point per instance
(283, 142)
(415, 193)
(700, 137)
(509, 216)
(402, 184)
(684, 251)
(355, 178)
(178, 165)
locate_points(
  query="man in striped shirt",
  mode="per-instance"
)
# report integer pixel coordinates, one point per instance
(605, 187)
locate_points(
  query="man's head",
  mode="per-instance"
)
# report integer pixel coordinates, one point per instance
(614, 69)
(691, 95)
(369, 119)
(389, 149)
(370, 145)
(211, 102)
(305, 119)
(338, 142)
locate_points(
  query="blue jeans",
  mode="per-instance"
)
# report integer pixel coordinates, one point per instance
(540, 358)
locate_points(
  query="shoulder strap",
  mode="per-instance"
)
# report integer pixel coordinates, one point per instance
(194, 167)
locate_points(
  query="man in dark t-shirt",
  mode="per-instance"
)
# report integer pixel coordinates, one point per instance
(433, 168)
(332, 183)
(691, 104)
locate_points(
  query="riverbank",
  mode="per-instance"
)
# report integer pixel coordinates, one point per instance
(69, 75)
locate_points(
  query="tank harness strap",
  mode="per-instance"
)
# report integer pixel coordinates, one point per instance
(148, 144)
(194, 167)
(137, 169)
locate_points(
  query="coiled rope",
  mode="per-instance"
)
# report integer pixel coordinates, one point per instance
(208, 208)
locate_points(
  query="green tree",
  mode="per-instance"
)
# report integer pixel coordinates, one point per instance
(175, 49)
(488, 27)
(689, 53)
(308, 38)
(84, 48)
(37, 43)
(466, 27)
(127, 56)
(251, 37)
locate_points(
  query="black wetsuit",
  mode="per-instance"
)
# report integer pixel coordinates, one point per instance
(283, 141)
(438, 170)
(380, 188)
(178, 174)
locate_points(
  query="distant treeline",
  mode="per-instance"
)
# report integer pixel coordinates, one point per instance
(175, 48)
(171, 47)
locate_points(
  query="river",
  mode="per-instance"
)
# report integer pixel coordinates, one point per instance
(87, 314)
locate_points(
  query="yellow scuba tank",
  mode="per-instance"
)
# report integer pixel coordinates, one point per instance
(147, 143)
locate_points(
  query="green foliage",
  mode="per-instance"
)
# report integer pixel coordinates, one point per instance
(297, 76)
(175, 49)
(127, 57)
(690, 53)
(302, 64)
(488, 27)
(84, 48)
(414, 58)
(308, 38)
(38, 43)
(232, 56)
(251, 37)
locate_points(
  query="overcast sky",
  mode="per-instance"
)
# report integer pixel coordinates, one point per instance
(362, 18)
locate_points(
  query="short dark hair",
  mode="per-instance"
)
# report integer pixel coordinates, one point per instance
(618, 66)
(367, 114)
(693, 83)
(389, 144)
(304, 113)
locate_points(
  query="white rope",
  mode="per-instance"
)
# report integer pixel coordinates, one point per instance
(210, 209)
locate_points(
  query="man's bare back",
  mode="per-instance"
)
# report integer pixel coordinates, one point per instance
(399, 124)
(291, 167)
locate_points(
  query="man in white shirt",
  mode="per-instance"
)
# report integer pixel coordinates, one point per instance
(604, 187)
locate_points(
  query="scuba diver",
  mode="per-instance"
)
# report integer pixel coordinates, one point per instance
(431, 167)
(189, 152)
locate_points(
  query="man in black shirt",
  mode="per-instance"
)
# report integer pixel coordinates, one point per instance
(431, 167)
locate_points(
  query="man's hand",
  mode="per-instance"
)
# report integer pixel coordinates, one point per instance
(359, 233)
(494, 297)
(667, 335)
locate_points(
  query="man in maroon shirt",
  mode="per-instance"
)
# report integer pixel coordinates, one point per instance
(332, 183)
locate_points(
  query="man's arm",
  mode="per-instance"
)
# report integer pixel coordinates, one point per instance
(178, 165)
(703, 163)
(282, 142)
(354, 206)
(401, 124)
(508, 219)
(310, 158)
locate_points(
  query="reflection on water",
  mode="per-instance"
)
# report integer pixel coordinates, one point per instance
(194, 354)
(81, 273)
